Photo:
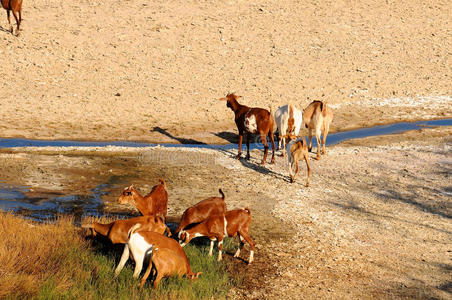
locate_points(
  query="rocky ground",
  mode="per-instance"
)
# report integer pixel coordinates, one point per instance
(375, 222)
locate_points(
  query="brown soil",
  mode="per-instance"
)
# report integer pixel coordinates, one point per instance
(152, 71)
(375, 222)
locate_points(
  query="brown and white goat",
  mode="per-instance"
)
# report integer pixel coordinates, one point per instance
(117, 232)
(16, 7)
(252, 121)
(155, 203)
(297, 149)
(288, 120)
(233, 223)
(202, 210)
(317, 116)
(167, 255)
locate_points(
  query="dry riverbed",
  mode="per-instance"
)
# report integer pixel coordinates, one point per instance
(375, 221)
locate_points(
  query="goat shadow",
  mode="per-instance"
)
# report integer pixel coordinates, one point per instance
(179, 139)
(228, 136)
(254, 163)
(4, 29)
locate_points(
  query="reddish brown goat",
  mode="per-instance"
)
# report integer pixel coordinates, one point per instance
(16, 7)
(167, 255)
(117, 232)
(252, 121)
(234, 223)
(155, 203)
(202, 210)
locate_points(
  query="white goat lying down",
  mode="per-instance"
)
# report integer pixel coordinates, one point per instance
(318, 116)
(288, 120)
(297, 149)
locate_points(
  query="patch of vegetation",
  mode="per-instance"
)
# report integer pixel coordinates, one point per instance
(52, 261)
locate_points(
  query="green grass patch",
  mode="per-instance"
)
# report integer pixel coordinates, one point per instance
(56, 261)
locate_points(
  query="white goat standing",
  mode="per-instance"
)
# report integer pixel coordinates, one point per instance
(288, 120)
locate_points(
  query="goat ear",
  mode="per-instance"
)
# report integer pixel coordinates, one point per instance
(223, 99)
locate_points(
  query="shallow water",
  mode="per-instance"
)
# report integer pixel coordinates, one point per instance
(332, 139)
(46, 206)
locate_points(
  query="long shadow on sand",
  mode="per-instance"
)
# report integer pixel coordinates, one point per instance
(180, 140)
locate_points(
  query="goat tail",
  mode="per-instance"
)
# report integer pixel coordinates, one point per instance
(247, 210)
(88, 226)
(222, 194)
(132, 230)
(162, 182)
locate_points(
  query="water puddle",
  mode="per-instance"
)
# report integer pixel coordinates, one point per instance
(45, 206)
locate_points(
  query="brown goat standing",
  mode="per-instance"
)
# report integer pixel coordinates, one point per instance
(251, 121)
(16, 7)
(155, 203)
(169, 257)
(202, 210)
(233, 223)
(317, 116)
(117, 232)
(297, 149)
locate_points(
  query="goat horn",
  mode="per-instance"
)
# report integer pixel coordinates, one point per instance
(222, 99)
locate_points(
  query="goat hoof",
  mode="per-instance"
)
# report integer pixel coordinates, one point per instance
(248, 157)
(237, 156)
(307, 184)
(262, 163)
(317, 157)
(310, 149)
(273, 161)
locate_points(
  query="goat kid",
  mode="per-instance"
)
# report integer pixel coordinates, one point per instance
(202, 210)
(16, 7)
(155, 203)
(318, 116)
(297, 149)
(288, 120)
(167, 255)
(252, 121)
(233, 223)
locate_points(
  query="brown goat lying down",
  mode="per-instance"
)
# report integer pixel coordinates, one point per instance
(117, 232)
(318, 116)
(252, 121)
(167, 256)
(155, 203)
(202, 210)
(233, 223)
(16, 7)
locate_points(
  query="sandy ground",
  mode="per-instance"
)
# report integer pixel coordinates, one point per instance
(375, 222)
(152, 71)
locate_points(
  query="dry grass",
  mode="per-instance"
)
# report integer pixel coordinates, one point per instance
(55, 260)
(31, 254)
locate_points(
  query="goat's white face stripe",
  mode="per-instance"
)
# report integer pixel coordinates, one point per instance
(250, 123)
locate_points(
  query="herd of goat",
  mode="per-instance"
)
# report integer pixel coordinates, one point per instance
(148, 235)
